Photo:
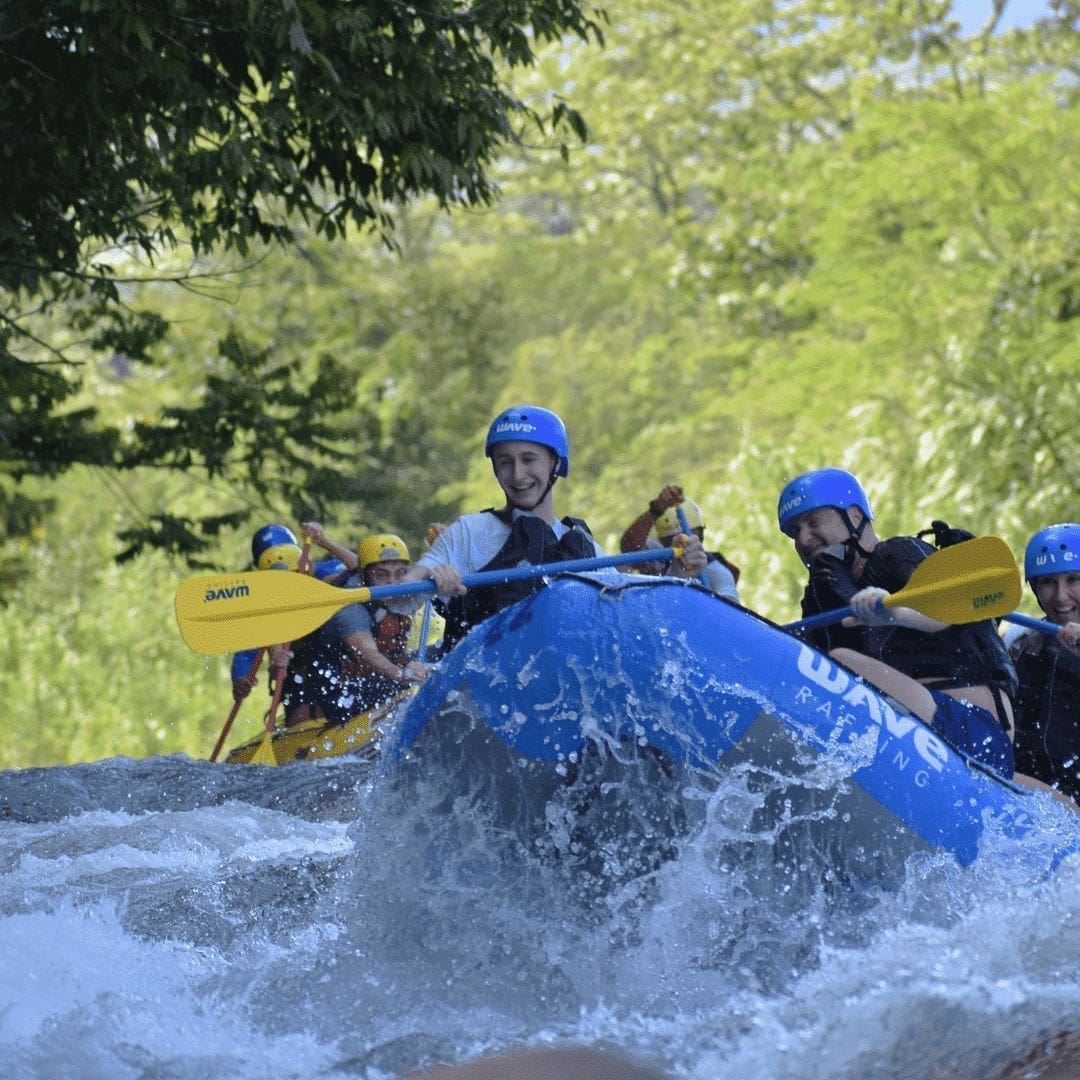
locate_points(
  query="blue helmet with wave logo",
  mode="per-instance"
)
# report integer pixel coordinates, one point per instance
(1053, 550)
(531, 423)
(270, 536)
(836, 488)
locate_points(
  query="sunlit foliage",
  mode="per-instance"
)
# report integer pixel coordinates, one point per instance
(792, 240)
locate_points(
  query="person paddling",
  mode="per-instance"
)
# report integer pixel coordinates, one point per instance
(290, 663)
(719, 575)
(663, 517)
(273, 546)
(361, 656)
(529, 450)
(1047, 742)
(637, 535)
(958, 679)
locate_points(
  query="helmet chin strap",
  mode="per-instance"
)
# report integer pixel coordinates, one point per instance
(550, 484)
(855, 535)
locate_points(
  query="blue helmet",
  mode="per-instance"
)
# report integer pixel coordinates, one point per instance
(530, 423)
(270, 536)
(328, 568)
(1053, 550)
(821, 487)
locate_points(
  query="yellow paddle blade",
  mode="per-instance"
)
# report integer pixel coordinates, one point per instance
(973, 580)
(219, 613)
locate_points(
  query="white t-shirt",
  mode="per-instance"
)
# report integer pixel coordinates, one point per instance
(473, 540)
(721, 580)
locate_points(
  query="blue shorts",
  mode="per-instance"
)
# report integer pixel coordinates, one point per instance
(974, 731)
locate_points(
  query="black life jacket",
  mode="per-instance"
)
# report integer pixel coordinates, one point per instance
(532, 541)
(1047, 717)
(969, 655)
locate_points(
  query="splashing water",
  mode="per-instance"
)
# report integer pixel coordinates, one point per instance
(176, 918)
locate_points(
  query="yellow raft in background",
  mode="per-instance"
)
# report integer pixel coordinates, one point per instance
(319, 739)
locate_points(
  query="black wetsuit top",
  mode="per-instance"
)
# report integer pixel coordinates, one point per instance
(969, 655)
(1047, 717)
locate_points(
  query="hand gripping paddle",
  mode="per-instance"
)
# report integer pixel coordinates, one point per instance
(973, 580)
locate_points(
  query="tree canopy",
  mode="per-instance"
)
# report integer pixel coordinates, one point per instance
(140, 141)
(799, 234)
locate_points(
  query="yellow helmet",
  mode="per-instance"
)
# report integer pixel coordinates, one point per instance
(382, 547)
(668, 522)
(280, 557)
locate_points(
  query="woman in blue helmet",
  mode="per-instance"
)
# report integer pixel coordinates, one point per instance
(958, 679)
(1047, 741)
(529, 451)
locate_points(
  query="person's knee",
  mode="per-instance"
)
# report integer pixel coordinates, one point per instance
(848, 657)
(901, 688)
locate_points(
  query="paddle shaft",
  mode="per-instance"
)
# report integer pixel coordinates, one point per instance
(519, 573)
(1032, 623)
(825, 618)
(235, 709)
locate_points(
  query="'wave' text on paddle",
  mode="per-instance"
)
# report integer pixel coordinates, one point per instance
(226, 594)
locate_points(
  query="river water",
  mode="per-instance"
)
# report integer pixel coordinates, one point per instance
(170, 918)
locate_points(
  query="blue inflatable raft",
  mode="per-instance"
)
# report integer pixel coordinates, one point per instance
(662, 671)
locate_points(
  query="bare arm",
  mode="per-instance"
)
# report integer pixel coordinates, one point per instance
(362, 645)
(638, 532)
(865, 612)
(314, 531)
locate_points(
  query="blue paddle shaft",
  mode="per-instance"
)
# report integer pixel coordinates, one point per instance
(1034, 624)
(522, 573)
(826, 618)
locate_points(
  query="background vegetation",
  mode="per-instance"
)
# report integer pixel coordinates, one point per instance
(797, 234)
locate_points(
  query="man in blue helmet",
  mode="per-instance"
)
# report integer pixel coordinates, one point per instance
(958, 679)
(1047, 742)
(529, 451)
